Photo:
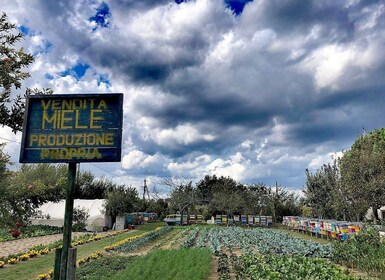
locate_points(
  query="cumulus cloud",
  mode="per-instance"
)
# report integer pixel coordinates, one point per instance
(259, 92)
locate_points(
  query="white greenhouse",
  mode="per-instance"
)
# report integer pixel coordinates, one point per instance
(52, 214)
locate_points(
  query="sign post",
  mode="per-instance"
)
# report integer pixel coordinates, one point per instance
(72, 128)
(69, 209)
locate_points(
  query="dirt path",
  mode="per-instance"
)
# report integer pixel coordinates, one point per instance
(214, 269)
(23, 245)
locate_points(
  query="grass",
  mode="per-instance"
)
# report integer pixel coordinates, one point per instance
(191, 264)
(303, 236)
(31, 268)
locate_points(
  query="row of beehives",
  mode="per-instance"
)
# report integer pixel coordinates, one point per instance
(244, 220)
(330, 228)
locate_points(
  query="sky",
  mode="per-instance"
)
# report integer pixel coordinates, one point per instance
(258, 90)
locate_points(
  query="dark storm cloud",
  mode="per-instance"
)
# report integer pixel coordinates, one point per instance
(139, 5)
(299, 16)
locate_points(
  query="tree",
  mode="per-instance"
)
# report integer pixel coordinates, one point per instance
(6, 205)
(319, 190)
(12, 62)
(256, 199)
(183, 197)
(31, 186)
(121, 200)
(40, 183)
(158, 206)
(363, 173)
(276, 198)
(214, 191)
(227, 202)
(79, 218)
(89, 187)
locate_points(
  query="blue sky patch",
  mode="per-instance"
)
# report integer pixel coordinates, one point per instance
(102, 15)
(46, 48)
(237, 6)
(104, 79)
(77, 71)
(24, 29)
(48, 76)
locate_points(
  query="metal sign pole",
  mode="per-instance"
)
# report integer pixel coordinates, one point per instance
(69, 208)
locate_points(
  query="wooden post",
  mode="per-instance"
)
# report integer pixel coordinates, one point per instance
(68, 220)
(56, 268)
(71, 267)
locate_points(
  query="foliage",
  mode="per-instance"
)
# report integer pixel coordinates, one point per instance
(158, 206)
(227, 201)
(107, 265)
(364, 250)
(192, 264)
(320, 188)
(12, 62)
(221, 194)
(280, 202)
(223, 267)
(28, 188)
(79, 218)
(291, 267)
(184, 195)
(121, 200)
(190, 239)
(265, 241)
(363, 173)
(87, 186)
(30, 231)
(143, 240)
(213, 184)
(5, 179)
(45, 249)
(224, 195)
(353, 183)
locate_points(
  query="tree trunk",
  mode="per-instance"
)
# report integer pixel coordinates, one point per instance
(181, 216)
(375, 215)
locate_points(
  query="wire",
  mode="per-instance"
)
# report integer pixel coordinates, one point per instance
(10, 140)
(115, 175)
(122, 176)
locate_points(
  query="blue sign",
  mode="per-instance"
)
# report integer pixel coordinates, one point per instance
(72, 128)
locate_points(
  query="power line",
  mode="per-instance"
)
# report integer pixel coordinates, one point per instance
(122, 176)
(115, 175)
(10, 140)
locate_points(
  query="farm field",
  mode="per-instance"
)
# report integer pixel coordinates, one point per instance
(200, 252)
(228, 253)
(42, 264)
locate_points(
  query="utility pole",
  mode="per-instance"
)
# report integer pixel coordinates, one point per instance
(145, 190)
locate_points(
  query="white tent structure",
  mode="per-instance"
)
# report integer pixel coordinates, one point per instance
(53, 214)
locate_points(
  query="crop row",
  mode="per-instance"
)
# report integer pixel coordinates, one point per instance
(143, 240)
(45, 249)
(277, 267)
(264, 241)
